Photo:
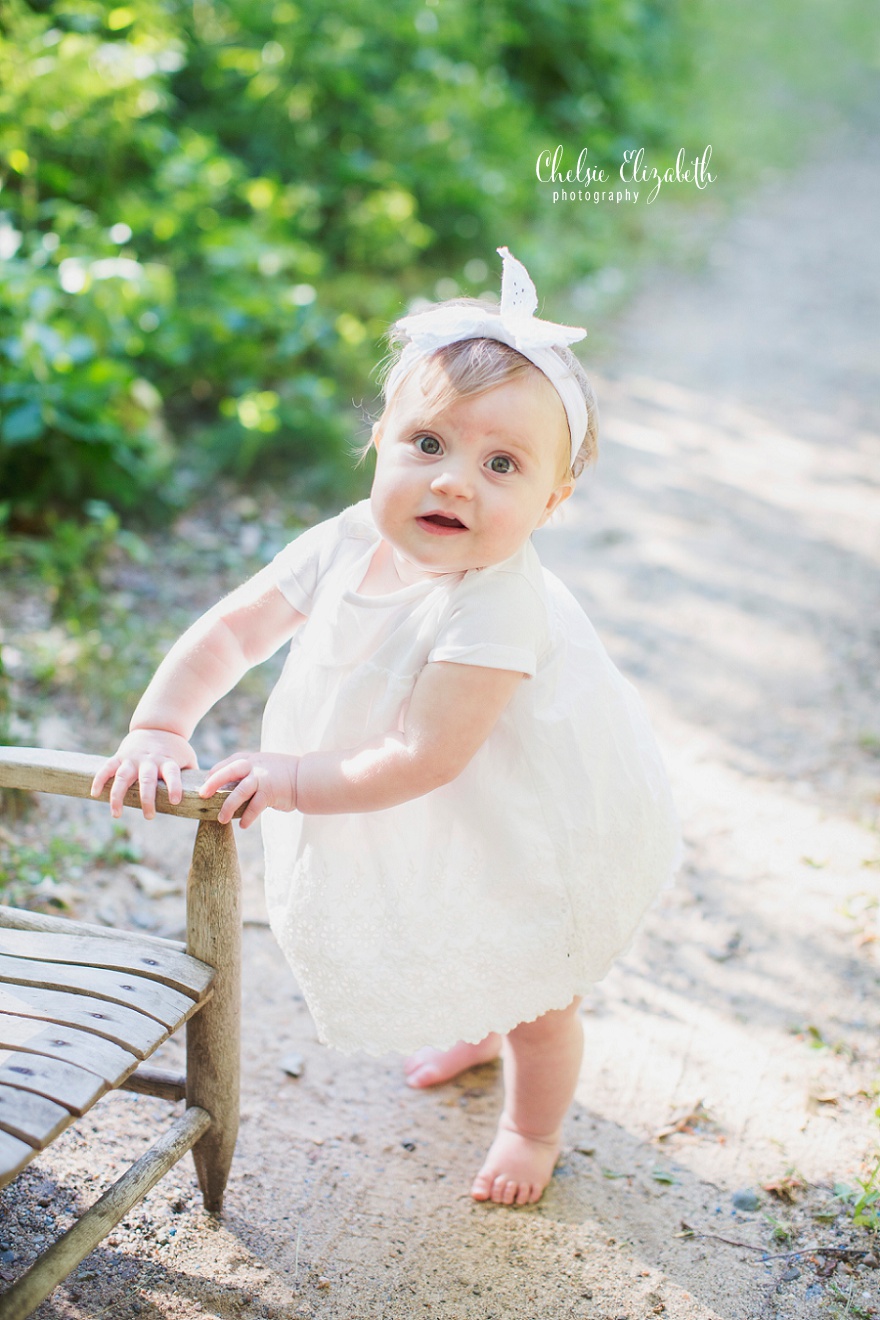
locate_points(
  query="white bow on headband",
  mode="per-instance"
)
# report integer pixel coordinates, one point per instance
(515, 324)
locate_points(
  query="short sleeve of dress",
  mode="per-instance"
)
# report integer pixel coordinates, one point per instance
(302, 563)
(497, 619)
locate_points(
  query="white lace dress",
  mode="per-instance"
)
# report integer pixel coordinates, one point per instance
(503, 894)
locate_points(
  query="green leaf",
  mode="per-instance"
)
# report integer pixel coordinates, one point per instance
(661, 1175)
(22, 424)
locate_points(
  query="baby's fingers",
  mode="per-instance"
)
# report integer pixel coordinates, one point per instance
(225, 772)
(236, 758)
(257, 804)
(173, 781)
(125, 776)
(106, 772)
(246, 791)
(148, 778)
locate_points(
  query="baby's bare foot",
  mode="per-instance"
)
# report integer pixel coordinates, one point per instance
(517, 1168)
(429, 1067)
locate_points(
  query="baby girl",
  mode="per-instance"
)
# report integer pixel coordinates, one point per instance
(464, 812)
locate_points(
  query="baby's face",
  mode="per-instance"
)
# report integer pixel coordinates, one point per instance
(464, 486)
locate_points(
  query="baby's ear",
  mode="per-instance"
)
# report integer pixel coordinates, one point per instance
(559, 496)
(376, 433)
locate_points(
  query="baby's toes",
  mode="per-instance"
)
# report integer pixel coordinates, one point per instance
(481, 1188)
(422, 1076)
(504, 1190)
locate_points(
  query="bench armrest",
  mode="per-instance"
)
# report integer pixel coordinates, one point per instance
(70, 774)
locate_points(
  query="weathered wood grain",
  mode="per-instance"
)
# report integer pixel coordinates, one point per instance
(108, 1061)
(14, 1155)
(162, 1082)
(167, 1006)
(81, 1005)
(213, 1036)
(66, 1083)
(132, 1030)
(19, 919)
(71, 773)
(179, 971)
(31, 1117)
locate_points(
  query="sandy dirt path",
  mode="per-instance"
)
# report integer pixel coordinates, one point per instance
(727, 550)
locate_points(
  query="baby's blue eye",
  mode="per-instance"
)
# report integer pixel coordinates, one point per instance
(428, 444)
(501, 464)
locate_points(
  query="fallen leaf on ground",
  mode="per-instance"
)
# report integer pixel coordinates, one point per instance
(787, 1188)
(692, 1120)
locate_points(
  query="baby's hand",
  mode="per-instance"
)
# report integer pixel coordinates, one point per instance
(145, 756)
(263, 779)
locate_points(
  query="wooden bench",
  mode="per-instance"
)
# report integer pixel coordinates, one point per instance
(82, 1007)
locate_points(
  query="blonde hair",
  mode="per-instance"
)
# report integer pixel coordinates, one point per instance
(473, 366)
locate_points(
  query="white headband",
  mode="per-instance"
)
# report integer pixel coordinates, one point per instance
(515, 324)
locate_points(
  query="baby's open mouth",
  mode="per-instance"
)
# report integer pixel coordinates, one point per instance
(441, 520)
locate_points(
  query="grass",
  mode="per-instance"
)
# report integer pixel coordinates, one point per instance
(863, 1201)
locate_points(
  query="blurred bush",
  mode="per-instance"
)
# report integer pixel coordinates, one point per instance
(210, 211)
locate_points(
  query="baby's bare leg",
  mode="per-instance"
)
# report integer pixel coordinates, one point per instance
(430, 1067)
(542, 1061)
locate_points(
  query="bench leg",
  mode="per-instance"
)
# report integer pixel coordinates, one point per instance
(22, 1299)
(213, 1036)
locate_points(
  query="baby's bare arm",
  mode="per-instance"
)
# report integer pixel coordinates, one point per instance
(452, 711)
(205, 663)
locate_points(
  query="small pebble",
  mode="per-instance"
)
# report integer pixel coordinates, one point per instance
(293, 1064)
(790, 1275)
(746, 1200)
(408, 1145)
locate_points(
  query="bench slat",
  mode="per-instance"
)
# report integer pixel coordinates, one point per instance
(177, 970)
(132, 1030)
(31, 1118)
(96, 1055)
(14, 1155)
(69, 1085)
(157, 1001)
(24, 919)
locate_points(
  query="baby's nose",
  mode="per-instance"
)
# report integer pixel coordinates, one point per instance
(453, 479)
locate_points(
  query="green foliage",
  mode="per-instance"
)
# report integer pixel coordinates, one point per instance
(39, 875)
(42, 873)
(211, 211)
(69, 559)
(863, 1201)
